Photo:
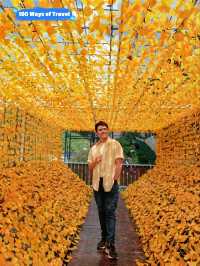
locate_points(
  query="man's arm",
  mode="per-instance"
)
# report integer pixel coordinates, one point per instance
(119, 157)
(118, 168)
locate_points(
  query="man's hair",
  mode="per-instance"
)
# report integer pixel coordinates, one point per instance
(100, 123)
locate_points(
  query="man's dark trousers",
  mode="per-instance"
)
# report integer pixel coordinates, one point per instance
(107, 204)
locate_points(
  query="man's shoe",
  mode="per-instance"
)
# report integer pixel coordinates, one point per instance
(110, 251)
(101, 245)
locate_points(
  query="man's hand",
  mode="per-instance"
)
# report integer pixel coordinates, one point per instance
(93, 164)
(97, 160)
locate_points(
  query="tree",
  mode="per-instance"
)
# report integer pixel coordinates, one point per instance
(137, 149)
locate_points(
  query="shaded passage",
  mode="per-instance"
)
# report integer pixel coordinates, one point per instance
(127, 241)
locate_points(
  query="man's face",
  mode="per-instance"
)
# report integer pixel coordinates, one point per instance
(102, 132)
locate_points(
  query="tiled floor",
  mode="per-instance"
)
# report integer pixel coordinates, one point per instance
(127, 242)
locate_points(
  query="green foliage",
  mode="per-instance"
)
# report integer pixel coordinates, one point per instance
(135, 150)
(138, 151)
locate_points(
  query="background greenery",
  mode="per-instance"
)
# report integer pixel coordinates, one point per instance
(135, 150)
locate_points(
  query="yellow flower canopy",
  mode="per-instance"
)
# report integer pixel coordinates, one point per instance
(134, 64)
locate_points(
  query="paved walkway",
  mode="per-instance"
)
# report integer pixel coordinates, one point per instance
(127, 242)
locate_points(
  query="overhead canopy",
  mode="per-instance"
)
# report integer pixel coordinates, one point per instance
(134, 64)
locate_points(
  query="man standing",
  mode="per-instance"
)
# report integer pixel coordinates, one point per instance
(105, 160)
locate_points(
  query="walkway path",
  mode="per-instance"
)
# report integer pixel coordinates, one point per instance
(127, 242)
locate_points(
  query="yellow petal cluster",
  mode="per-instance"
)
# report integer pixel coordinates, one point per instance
(42, 206)
(124, 63)
(164, 202)
(25, 136)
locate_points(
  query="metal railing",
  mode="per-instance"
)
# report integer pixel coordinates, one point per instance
(130, 172)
